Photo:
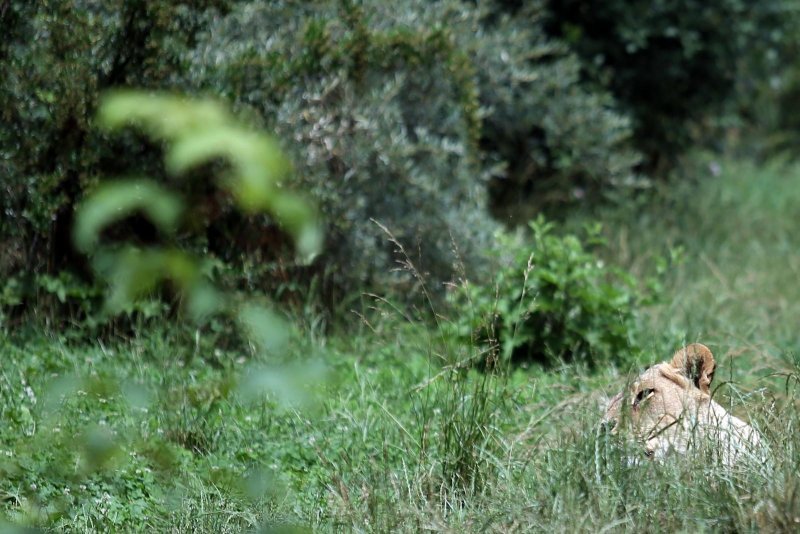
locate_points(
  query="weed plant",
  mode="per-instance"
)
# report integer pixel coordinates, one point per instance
(553, 299)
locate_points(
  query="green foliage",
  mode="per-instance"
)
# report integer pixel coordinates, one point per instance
(381, 121)
(408, 435)
(769, 84)
(671, 65)
(121, 447)
(550, 140)
(194, 132)
(56, 58)
(197, 132)
(553, 301)
(401, 114)
(257, 169)
(404, 113)
(114, 201)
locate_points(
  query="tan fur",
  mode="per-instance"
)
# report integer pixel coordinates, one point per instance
(669, 408)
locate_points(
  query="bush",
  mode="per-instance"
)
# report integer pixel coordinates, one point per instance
(383, 122)
(402, 113)
(553, 301)
(549, 140)
(671, 65)
(55, 58)
(769, 83)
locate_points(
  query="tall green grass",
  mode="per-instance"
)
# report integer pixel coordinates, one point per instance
(736, 288)
(732, 284)
(404, 436)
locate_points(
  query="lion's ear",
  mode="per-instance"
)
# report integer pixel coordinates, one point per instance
(697, 364)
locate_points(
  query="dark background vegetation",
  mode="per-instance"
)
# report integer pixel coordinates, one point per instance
(437, 139)
(427, 117)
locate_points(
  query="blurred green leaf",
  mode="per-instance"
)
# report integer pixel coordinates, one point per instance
(133, 272)
(298, 218)
(256, 158)
(99, 448)
(258, 483)
(291, 385)
(162, 116)
(115, 200)
(202, 301)
(196, 132)
(136, 395)
(58, 390)
(165, 456)
(265, 327)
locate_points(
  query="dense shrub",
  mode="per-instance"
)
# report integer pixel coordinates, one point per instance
(769, 83)
(552, 301)
(669, 64)
(402, 112)
(553, 140)
(55, 58)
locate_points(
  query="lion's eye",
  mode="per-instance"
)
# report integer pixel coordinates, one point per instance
(643, 395)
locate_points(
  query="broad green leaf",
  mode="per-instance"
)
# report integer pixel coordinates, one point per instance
(133, 273)
(248, 152)
(116, 200)
(298, 218)
(162, 116)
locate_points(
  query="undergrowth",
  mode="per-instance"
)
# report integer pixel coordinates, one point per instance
(404, 433)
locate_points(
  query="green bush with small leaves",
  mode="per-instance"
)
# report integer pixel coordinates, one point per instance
(553, 300)
(406, 113)
(399, 114)
(56, 58)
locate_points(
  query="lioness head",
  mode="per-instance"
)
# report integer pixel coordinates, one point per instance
(669, 408)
